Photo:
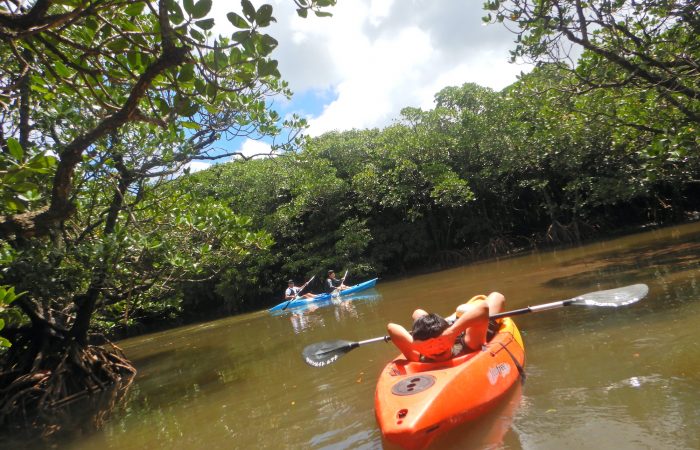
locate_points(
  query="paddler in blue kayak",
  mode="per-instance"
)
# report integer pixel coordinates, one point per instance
(332, 283)
(293, 292)
(432, 338)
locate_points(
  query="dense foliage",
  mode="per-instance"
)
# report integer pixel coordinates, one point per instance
(482, 174)
(102, 104)
(639, 62)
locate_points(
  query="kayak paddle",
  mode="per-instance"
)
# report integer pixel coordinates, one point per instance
(298, 292)
(609, 298)
(324, 353)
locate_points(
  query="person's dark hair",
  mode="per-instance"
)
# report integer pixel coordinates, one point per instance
(428, 326)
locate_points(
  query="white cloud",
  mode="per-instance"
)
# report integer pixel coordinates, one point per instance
(251, 147)
(378, 56)
(248, 148)
(196, 166)
(384, 83)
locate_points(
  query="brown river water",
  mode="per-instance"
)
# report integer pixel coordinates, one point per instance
(597, 378)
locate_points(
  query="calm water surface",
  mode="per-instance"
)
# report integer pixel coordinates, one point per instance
(598, 378)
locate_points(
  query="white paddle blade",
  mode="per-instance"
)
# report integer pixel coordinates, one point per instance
(614, 297)
(324, 353)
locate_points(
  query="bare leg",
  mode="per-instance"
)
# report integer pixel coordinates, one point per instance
(496, 302)
(476, 320)
(479, 312)
(403, 340)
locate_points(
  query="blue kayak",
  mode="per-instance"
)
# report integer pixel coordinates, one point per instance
(366, 296)
(323, 297)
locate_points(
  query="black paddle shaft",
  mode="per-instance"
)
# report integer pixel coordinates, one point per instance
(529, 309)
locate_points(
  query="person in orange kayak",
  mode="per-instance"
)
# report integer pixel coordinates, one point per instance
(432, 337)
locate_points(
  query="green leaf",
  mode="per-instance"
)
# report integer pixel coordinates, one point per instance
(135, 9)
(15, 149)
(186, 73)
(13, 205)
(237, 21)
(235, 56)
(201, 9)
(248, 10)
(176, 15)
(302, 12)
(191, 125)
(118, 45)
(197, 35)
(61, 69)
(134, 58)
(264, 15)
(31, 196)
(91, 23)
(268, 68)
(41, 161)
(206, 24)
(241, 36)
(39, 88)
(189, 6)
(220, 59)
(24, 186)
(200, 86)
(268, 44)
(212, 90)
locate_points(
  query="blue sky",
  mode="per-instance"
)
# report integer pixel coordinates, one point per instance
(359, 68)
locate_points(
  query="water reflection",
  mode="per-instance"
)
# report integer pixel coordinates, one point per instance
(305, 319)
(653, 259)
(345, 309)
(312, 315)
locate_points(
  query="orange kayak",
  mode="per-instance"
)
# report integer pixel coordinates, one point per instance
(415, 402)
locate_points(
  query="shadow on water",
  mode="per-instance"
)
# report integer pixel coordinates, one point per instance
(670, 270)
(68, 423)
(635, 265)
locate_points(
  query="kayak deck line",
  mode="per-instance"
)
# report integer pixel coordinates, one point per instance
(417, 401)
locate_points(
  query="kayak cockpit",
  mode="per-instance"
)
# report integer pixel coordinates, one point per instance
(402, 366)
(406, 367)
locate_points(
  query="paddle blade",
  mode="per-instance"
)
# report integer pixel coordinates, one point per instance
(324, 353)
(613, 297)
